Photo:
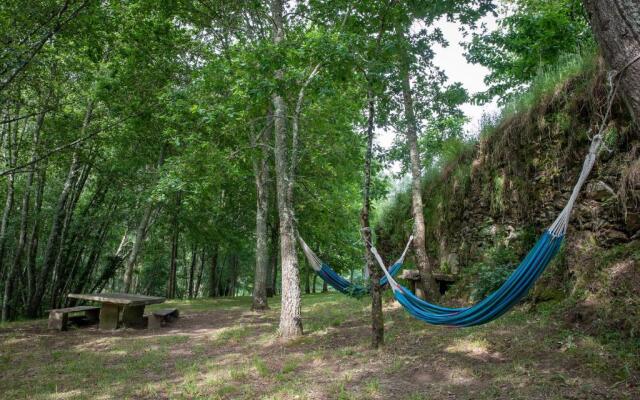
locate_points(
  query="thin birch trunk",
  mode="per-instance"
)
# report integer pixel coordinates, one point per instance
(261, 172)
(192, 272)
(377, 320)
(200, 272)
(213, 283)
(24, 215)
(11, 136)
(35, 234)
(51, 250)
(172, 287)
(419, 240)
(140, 236)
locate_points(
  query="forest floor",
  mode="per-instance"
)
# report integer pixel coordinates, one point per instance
(220, 350)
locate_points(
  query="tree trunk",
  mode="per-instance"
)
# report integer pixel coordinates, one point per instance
(171, 288)
(377, 320)
(261, 172)
(140, 237)
(233, 277)
(325, 287)
(307, 280)
(290, 321)
(88, 235)
(200, 272)
(274, 260)
(95, 253)
(616, 27)
(53, 242)
(35, 234)
(419, 240)
(192, 272)
(10, 157)
(137, 246)
(113, 264)
(24, 215)
(60, 271)
(313, 285)
(213, 284)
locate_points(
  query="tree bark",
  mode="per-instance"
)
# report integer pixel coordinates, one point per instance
(96, 251)
(290, 320)
(233, 277)
(616, 27)
(274, 259)
(171, 288)
(192, 272)
(419, 240)
(10, 157)
(200, 272)
(53, 242)
(261, 172)
(213, 284)
(307, 280)
(24, 215)
(35, 234)
(141, 232)
(137, 246)
(60, 269)
(377, 320)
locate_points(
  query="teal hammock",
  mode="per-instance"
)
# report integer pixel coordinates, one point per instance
(341, 284)
(518, 283)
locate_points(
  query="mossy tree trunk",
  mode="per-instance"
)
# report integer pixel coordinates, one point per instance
(616, 27)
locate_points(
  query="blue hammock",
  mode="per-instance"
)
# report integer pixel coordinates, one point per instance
(341, 284)
(518, 283)
(344, 286)
(494, 305)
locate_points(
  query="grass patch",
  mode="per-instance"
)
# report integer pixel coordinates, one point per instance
(522, 355)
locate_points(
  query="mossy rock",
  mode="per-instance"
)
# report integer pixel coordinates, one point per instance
(544, 293)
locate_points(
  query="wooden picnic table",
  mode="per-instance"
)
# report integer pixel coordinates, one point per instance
(131, 305)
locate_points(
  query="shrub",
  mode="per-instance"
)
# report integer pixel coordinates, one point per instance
(492, 271)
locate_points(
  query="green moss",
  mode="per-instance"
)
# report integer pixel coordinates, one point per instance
(624, 251)
(498, 193)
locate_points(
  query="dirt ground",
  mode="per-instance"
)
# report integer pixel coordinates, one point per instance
(218, 349)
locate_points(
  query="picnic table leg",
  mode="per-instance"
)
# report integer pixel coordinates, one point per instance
(58, 321)
(93, 316)
(109, 314)
(412, 286)
(133, 317)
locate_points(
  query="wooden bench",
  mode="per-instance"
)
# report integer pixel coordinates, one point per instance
(58, 318)
(157, 318)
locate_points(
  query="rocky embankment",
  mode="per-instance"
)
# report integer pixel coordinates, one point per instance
(502, 193)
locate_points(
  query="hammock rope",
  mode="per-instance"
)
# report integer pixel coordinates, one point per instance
(517, 284)
(341, 284)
